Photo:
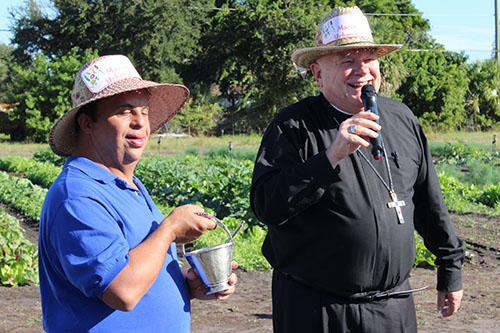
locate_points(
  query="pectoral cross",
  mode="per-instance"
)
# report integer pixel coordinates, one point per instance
(397, 205)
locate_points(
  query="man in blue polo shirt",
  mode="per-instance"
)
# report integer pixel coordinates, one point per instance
(107, 255)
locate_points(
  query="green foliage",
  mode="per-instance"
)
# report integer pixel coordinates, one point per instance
(236, 60)
(42, 173)
(41, 93)
(239, 154)
(470, 165)
(469, 177)
(251, 65)
(18, 257)
(484, 96)
(483, 173)
(47, 155)
(195, 151)
(213, 182)
(247, 244)
(490, 196)
(435, 88)
(221, 184)
(5, 64)
(459, 152)
(460, 197)
(156, 35)
(196, 118)
(22, 195)
(424, 257)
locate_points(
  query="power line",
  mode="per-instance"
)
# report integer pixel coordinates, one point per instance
(444, 15)
(435, 50)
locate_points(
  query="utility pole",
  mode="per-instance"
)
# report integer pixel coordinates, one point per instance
(497, 32)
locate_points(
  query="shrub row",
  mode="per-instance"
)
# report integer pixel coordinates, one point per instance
(22, 194)
(42, 173)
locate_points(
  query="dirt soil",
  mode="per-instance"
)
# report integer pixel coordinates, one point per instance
(249, 309)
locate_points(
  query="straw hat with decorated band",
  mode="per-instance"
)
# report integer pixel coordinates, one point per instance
(343, 28)
(108, 76)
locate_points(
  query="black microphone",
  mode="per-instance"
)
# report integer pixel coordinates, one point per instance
(369, 97)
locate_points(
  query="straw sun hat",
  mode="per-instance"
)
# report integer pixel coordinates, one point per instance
(343, 28)
(108, 76)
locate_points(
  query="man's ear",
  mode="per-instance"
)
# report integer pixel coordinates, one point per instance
(316, 71)
(85, 123)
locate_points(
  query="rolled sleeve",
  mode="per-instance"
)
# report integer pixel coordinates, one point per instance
(89, 244)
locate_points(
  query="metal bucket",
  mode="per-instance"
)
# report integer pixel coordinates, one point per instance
(213, 264)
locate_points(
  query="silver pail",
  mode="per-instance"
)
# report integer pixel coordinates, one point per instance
(213, 264)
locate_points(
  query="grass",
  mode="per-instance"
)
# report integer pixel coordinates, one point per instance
(9, 148)
(474, 139)
(167, 145)
(201, 144)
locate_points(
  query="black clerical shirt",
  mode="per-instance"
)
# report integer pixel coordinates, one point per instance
(332, 228)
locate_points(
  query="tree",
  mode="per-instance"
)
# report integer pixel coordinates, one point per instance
(247, 54)
(434, 83)
(435, 89)
(5, 61)
(197, 118)
(41, 93)
(484, 94)
(251, 65)
(157, 35)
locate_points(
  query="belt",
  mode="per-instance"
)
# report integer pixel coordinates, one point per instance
(379, 295)
(363, 297)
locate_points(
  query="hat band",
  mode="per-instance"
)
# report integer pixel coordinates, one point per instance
(107, 71)
(345, 26)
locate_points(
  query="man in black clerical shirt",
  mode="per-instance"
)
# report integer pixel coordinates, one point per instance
(341, 223)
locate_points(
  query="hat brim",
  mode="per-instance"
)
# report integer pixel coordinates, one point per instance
(165, 101)
(303, 58)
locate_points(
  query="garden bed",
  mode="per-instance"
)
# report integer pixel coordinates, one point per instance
(249, 309)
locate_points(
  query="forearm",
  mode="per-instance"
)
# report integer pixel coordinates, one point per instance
(183, 225)
(145, 263)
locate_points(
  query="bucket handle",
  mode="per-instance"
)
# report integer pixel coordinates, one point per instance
(219, 223)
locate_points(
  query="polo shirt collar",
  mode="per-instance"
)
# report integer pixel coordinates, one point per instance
(94, 170)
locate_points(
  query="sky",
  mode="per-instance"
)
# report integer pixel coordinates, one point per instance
(460, 25)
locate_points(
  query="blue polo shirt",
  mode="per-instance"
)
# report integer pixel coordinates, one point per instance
(90, 220)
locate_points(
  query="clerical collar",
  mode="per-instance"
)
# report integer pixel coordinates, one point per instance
(340, 110)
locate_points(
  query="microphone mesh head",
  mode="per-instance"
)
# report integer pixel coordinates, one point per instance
(368, 89)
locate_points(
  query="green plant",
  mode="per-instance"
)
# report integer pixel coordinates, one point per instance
(238, 154)
(42, 173)
(47, 155)
(18, 258)
(22, 194)
(482, 172)
(490, 196)
(41, 93)
(247, 244)
(424, 257)
(211, 181)
(193, 150)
